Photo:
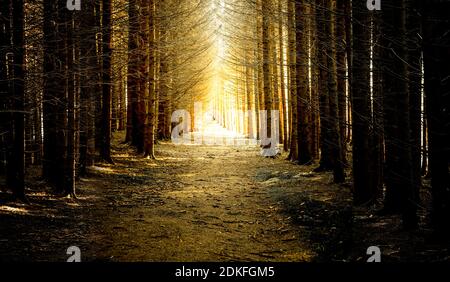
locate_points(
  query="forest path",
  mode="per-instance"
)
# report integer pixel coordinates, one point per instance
(198, 203)
(194, 203)
(214, 203)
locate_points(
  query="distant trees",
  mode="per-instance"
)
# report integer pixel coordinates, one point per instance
(161, 77)
(369, 71)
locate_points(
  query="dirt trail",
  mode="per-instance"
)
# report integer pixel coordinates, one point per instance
(194, 203)
(197, 204)
(202, 203)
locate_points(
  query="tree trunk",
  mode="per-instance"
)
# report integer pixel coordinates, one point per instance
(69, 166)
(376, 142)
(400, 186)
(363, 189)
(268, 95)
(283, 110)
(132, 70)
(326, 163)
(55, 86)
(293, 154)
(87, 87)
(437, 88)
(414, 58)
(105, 150)
(149, 144)
(335, 137)
(5, 117)
(341, 47)
(16, 161)
(303, 109)
(50, 91)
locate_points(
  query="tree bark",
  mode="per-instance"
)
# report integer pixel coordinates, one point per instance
(326, 163)
(268, 95)
(293, 154)
(363, 189)
(303, 109)
(16, 161)
(335, 137)
(105, 150)
(87, 87)
(149, 143)
(437, 87)
(400, 186)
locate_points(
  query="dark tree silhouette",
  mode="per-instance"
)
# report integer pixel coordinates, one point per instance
(437, 89)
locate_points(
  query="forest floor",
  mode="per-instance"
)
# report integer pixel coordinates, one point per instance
(203, 203)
